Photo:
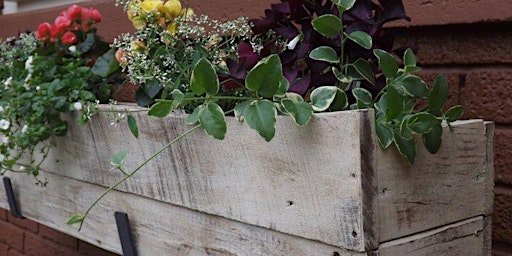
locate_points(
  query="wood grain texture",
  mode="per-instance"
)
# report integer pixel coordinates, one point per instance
(452, 185)
(462, 238)
(159, 228)
(307, 182)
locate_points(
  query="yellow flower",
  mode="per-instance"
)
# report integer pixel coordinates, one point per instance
(151, 5)
(172, 27)
(171, 9)
(187, 13)
(138, 23)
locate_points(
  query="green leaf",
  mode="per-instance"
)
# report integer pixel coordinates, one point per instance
(301, 112)
(365, 70)
(265, 77)
(75, 219)
(240, 109)
(415, 87)
(432, 139)
(382, 104)
(405, 132)
(118, 158)
(261, 115)
(213, 121)
(395, 103)
(422, 122)
(86, 45)
(161, 109)
(324, 53)
(328, 25)
(194, 117)
(344, 4)
(322, 97)
(132, 124)
(387, 63)
(438, 95)
(384, 135)
(409, 58)
(283, 87)
(407, 148)
(204, 78)
(363, 95)
(454, 113)
(106, 64)
(361, 38)
(342, 77)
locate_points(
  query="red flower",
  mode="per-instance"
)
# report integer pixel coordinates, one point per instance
(62, 22)
(69, 38)
(74, 12)
(44, 31)
(56, 32)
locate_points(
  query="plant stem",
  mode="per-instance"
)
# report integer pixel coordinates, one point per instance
(115, 185)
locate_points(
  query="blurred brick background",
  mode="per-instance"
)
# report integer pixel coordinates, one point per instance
(468, 41)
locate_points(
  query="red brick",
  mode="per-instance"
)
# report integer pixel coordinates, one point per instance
(501, 249)
(38, 246)
(502, 217)
(3, 249)
(488, 94)
(442, 12)
(453, 78)
(11, 236)
(88, 249)
(503, 155)
(489, 44)
(58, 237)
(13, 252)
(24, 223)
(3, 214)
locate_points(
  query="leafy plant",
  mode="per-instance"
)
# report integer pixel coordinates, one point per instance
(63, 67)
(339, 48)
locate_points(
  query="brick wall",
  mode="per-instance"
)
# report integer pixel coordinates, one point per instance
(24, 237)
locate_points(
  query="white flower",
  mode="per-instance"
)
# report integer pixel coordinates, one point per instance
(28, 64)
(291, 45)
(22, 168)
(2, 158)
(24, 129)
(8, 81)
(29, 76)
(38, 88)
(26, 86)
(72, 48)
(1, 109)
(4, 140)
(77, 106)
(4, 124)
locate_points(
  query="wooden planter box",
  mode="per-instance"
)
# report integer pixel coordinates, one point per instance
(323, 189)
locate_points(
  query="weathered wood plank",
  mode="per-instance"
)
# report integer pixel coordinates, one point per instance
(307, 182)
(159, 228)
(461, 238)
(452, 185)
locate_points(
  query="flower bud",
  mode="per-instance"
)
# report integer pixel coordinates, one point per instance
(69, 38)
(43, 31)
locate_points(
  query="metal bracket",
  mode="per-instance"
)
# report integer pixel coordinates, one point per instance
(13, 206)
(125, 234)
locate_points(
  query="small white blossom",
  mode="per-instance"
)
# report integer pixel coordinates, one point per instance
(24, 129)
(1, 109)
(38, 88)
(4, 140)
(29, 76)
(29, 64)
(4, 124)
(22, 168)
(77, 106)
(26, 86)
(291, 45)
(8, 82)
(72, 48)
(2, 157)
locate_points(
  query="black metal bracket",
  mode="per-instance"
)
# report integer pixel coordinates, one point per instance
(13, 205)
(125, 234)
